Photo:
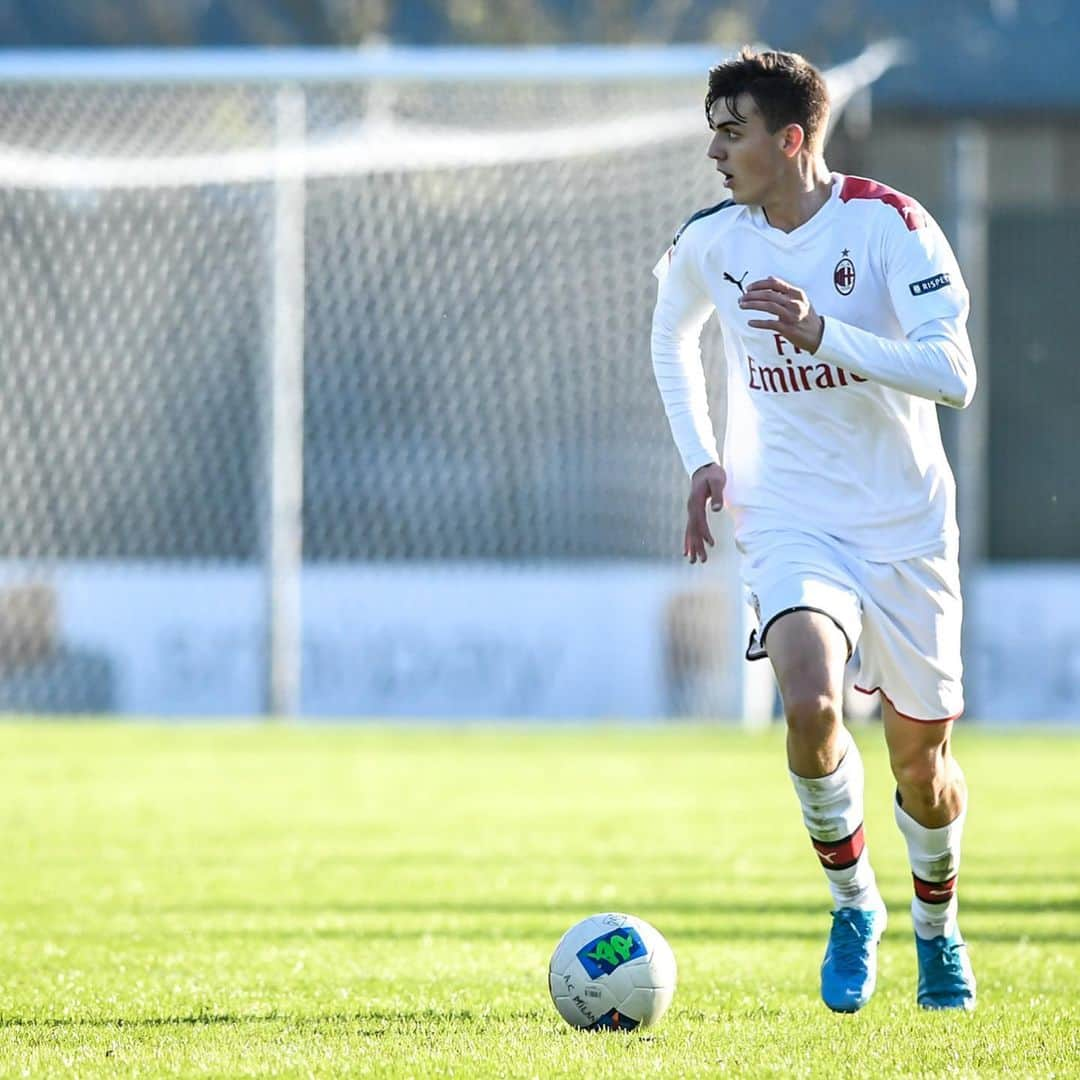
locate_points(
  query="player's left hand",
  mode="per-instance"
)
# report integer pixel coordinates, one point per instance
(796, 318)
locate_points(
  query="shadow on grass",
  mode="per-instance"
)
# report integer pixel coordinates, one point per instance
(375, 1021)
(719, 906)
(741, 933)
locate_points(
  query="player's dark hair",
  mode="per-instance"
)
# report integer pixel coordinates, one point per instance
(786, 88)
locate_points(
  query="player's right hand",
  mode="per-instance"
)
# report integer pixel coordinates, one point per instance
(706, 491)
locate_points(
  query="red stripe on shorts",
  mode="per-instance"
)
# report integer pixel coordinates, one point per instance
(904, 716)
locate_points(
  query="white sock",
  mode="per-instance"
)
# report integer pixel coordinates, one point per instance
(935, 862)
(832, 809)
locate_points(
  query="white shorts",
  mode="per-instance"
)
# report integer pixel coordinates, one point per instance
(903, 618)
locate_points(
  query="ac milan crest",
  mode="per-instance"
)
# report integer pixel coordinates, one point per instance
(844, 275)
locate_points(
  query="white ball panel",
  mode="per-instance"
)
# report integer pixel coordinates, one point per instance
(663, 959)
(644, 976)
(646, 1006)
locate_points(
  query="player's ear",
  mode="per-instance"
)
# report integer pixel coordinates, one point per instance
(793, 139)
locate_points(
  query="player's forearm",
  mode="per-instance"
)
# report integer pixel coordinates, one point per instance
(682, 309)
(680, 379)
(935, 363)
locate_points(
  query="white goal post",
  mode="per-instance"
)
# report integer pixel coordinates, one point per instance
(252, 295)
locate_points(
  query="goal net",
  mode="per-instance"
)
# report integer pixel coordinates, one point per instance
(398, 324)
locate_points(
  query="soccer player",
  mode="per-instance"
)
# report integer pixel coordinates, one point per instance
(843, 317)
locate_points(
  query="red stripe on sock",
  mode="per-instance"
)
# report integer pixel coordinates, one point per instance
(840, 854)
(935, 892)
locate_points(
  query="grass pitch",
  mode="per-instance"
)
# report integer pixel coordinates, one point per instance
(298, 902)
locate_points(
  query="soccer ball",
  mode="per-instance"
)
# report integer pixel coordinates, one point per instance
(612, 971)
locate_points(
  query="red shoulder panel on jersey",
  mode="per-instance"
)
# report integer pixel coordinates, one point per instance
(858, 187)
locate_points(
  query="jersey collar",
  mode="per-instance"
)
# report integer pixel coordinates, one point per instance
(810, 228)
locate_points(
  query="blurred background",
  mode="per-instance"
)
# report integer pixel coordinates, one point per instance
(326, 386)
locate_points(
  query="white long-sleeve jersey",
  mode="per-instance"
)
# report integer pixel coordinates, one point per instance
(843, 442)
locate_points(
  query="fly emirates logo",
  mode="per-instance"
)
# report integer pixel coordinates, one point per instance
(792, 377)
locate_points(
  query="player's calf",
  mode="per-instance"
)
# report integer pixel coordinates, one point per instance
(832, 809)
(946, 980)
(931, 796)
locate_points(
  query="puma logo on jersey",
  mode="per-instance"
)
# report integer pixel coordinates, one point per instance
(737, 282)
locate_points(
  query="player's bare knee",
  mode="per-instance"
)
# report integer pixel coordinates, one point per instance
(924, 774)
(811, 716)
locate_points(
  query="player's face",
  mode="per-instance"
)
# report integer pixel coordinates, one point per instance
(751, 157)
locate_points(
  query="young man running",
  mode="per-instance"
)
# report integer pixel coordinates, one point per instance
(843, 316)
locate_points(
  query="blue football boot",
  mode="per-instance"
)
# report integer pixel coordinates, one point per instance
(946, 980)
(849, 970)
